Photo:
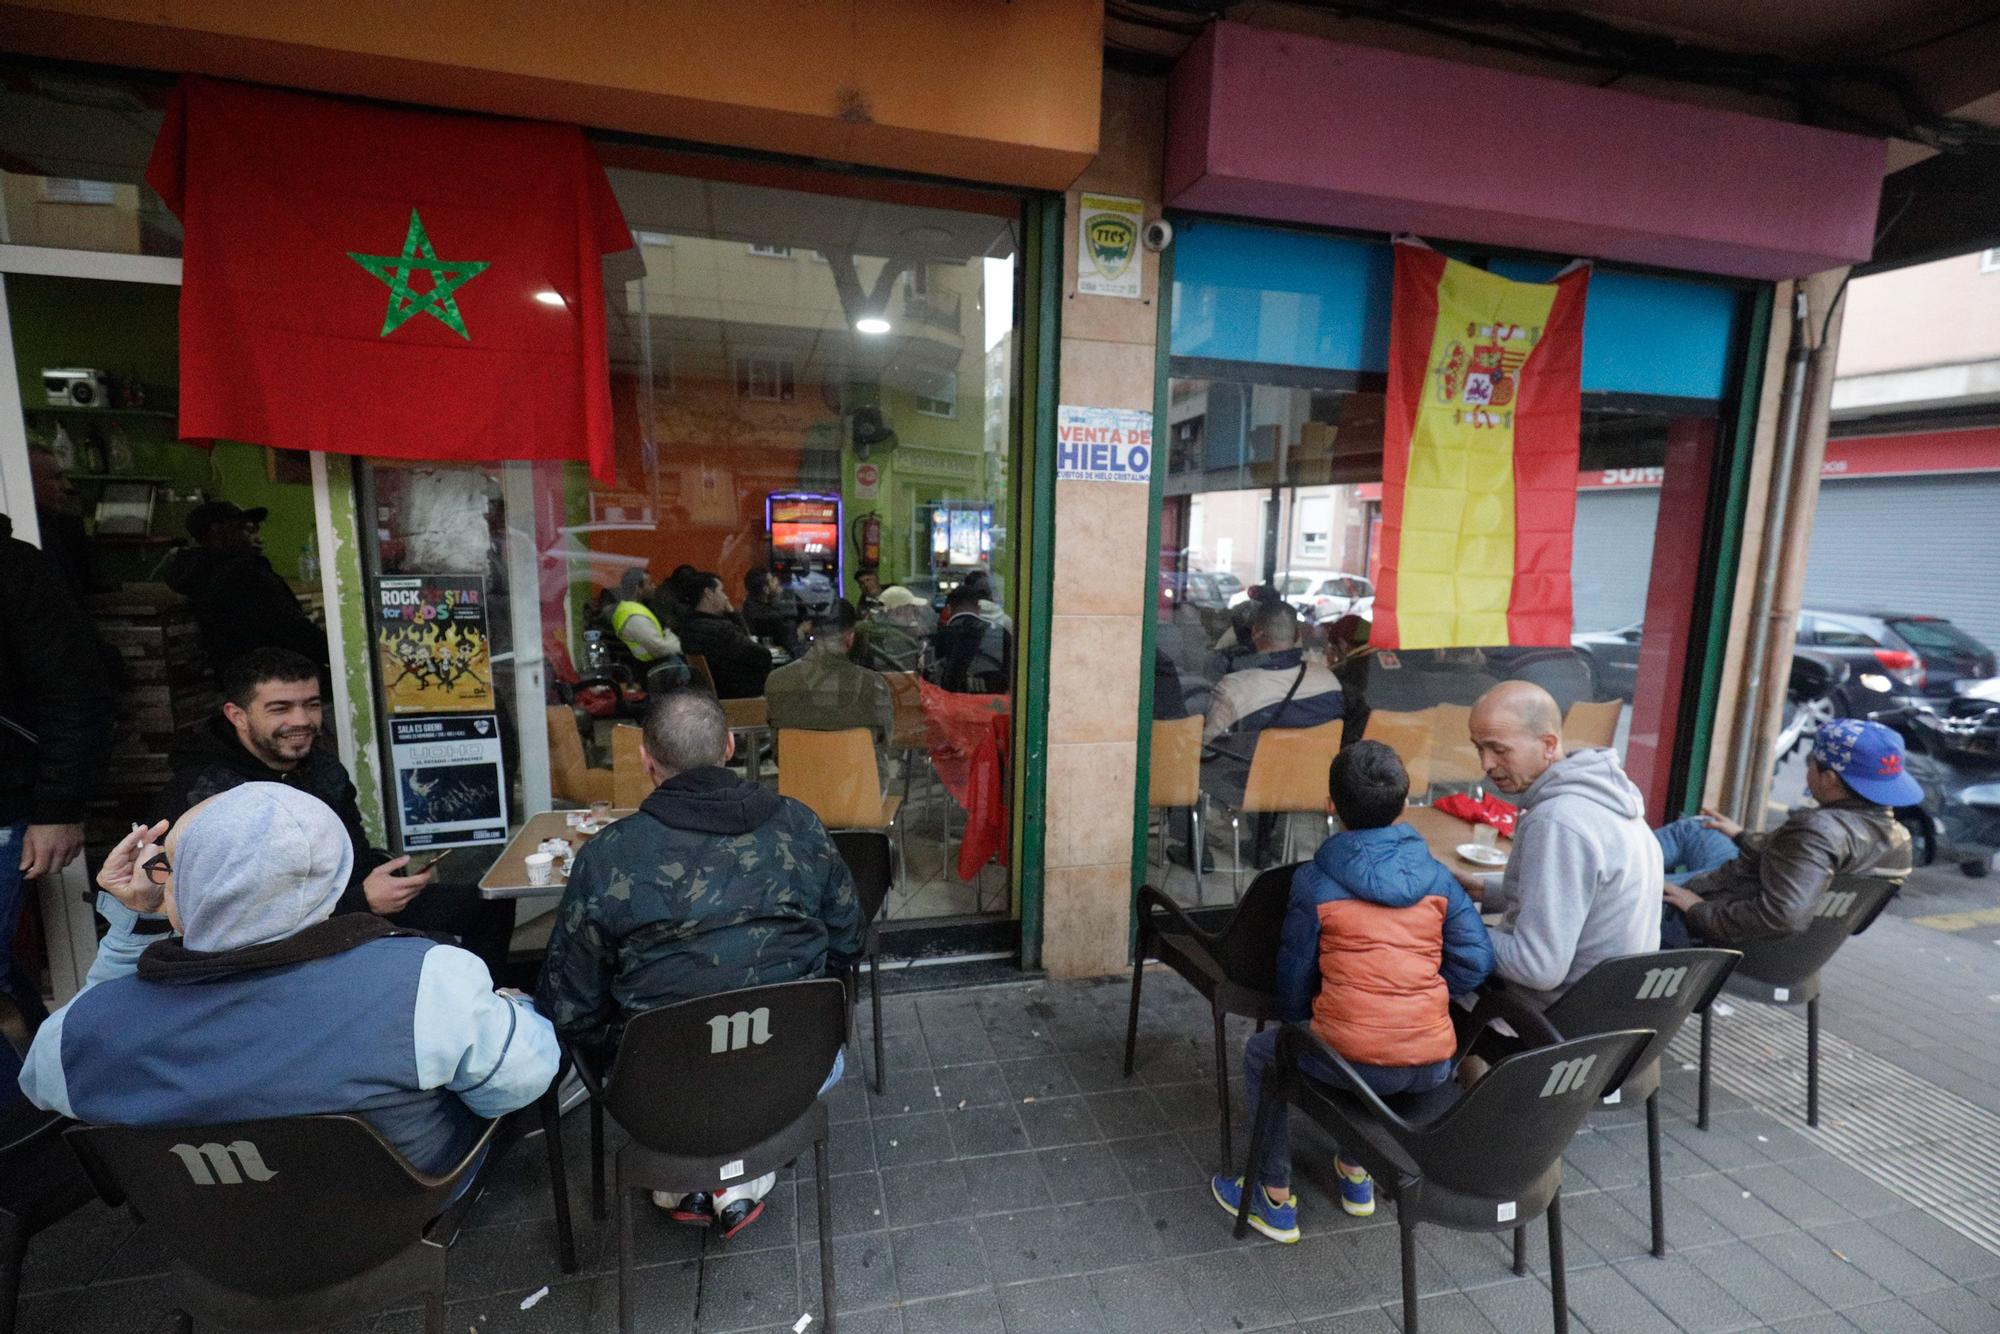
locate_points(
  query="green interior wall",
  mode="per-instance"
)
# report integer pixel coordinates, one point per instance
(132, 329)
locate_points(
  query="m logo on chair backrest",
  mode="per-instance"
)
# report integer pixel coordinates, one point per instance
(734, 1032)
(1565, 1076)
(1837, 903)
(1662, 983)
(210, 1164)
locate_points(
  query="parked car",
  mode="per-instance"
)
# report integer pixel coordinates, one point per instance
(1295, 586)
(1613, 657)
(1894, 658)
(1198, 588)
(1336, 597)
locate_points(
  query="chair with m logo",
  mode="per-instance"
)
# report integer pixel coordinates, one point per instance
(1786, 971)
(871, 860)
(40, 1184)
(1489, 1160)
(1234, 967)
(1657, 991)
(715, 1092)
(291, 1223)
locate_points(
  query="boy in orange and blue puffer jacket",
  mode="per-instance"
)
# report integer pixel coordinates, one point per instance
(1387, 936)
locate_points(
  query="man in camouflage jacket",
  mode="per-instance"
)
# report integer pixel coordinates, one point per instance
(715, 885)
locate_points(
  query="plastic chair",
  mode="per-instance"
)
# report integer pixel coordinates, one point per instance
(629, 784)
(1175, 780)
(1234, 968)
(1786, 971)
(570, 778)
(1589, 724)
(751, 719)
(1489, 1161)
(1410, 736)
(1454, 763)
(288, 1223)
(872, 862)
(716, 1090)
(1657, 991)
(701, 676)
(1288, 775)
(834, 774)
(40, 1183)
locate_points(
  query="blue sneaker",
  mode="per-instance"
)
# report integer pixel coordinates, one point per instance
(1357, 1188)
(1279, 1222)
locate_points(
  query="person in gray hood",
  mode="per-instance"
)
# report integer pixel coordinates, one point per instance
(1584, 880)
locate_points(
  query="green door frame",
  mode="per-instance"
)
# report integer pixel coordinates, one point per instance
(1041, 343)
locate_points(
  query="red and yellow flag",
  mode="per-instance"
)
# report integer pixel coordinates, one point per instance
(1479, 455)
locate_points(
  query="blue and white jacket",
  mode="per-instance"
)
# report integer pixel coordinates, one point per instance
(406, 1032)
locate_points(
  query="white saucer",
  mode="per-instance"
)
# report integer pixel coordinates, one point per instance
(1479, 856)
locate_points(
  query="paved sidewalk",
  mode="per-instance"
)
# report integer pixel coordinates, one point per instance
(1011, 1180)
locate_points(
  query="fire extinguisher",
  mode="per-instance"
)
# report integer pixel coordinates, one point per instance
(868, 539)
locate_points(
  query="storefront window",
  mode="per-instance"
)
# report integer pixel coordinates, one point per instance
(813, 405)
(1274, 498)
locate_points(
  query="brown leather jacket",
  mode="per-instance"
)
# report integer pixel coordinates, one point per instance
(1772, 886)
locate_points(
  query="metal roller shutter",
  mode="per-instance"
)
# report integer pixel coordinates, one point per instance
(1919, 544)
(1613, 559)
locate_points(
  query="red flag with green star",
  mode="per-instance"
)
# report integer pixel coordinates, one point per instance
(370, 280)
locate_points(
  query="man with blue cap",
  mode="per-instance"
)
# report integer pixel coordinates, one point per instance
(1740, 887)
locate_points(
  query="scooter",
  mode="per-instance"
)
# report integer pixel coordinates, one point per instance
(1954, 754)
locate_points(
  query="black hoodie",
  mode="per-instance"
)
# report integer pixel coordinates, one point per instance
(717, 884)
(209, 758)
(241, 604)
(52, 686)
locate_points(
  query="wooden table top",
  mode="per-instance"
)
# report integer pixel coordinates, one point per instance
(507, 878)
(1442, 835)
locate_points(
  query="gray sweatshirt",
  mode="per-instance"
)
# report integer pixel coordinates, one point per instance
(1583, 884)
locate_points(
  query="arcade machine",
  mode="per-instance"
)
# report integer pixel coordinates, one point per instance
(803, 529)
(961, 542)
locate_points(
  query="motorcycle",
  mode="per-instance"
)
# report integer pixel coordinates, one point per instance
(1954, 754)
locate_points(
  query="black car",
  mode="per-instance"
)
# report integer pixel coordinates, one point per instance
(1894, 658)
(1613, 656)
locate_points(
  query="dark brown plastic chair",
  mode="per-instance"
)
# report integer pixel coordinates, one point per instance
(871, 860)
(40, 1183)
(1234, 968)
(1487, 1161)
(289, 1223)
(715, 1091)
(1786, 971)
(1657, 991)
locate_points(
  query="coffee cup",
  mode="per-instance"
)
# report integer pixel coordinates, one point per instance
(1486, 836)
(541, 868)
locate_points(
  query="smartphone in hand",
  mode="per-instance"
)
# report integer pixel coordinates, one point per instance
(421, 863)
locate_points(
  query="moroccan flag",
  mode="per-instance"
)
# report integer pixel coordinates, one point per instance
(1479, 455)
(377, 281)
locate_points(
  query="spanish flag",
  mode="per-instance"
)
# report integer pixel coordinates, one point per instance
(1479, 455)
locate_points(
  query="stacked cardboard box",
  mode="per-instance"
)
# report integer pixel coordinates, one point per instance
(167, 686)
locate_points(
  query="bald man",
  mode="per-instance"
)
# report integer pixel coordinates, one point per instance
(1583, 882)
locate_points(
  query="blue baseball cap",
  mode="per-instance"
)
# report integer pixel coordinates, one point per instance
(1869, 758)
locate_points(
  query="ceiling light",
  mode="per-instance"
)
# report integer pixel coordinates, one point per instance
(871, 324)
(550, 298)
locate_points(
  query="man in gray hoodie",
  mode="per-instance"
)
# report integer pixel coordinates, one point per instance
(1584, 879)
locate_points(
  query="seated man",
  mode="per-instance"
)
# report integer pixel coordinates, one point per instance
(1735, 888)
(716, 884)
(892, 638)
(1280, 685)
(771, 614)
(712, 630)
(974, 652)
(638, 627)
(1386, 937)
(269, 731)
(826, 691)
(1580, 884)
(269, 1005)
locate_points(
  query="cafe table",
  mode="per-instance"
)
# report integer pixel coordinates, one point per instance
(507, 878)
(1443, 833)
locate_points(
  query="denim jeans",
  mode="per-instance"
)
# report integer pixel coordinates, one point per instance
(1274, 1160)
(16, 981)
(1690, 847)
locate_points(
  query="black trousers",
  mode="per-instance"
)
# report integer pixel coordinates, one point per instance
(483, 926)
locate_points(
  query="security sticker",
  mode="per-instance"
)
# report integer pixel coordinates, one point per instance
(734, 1169)
(1506, 1212)
(1781, 993)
